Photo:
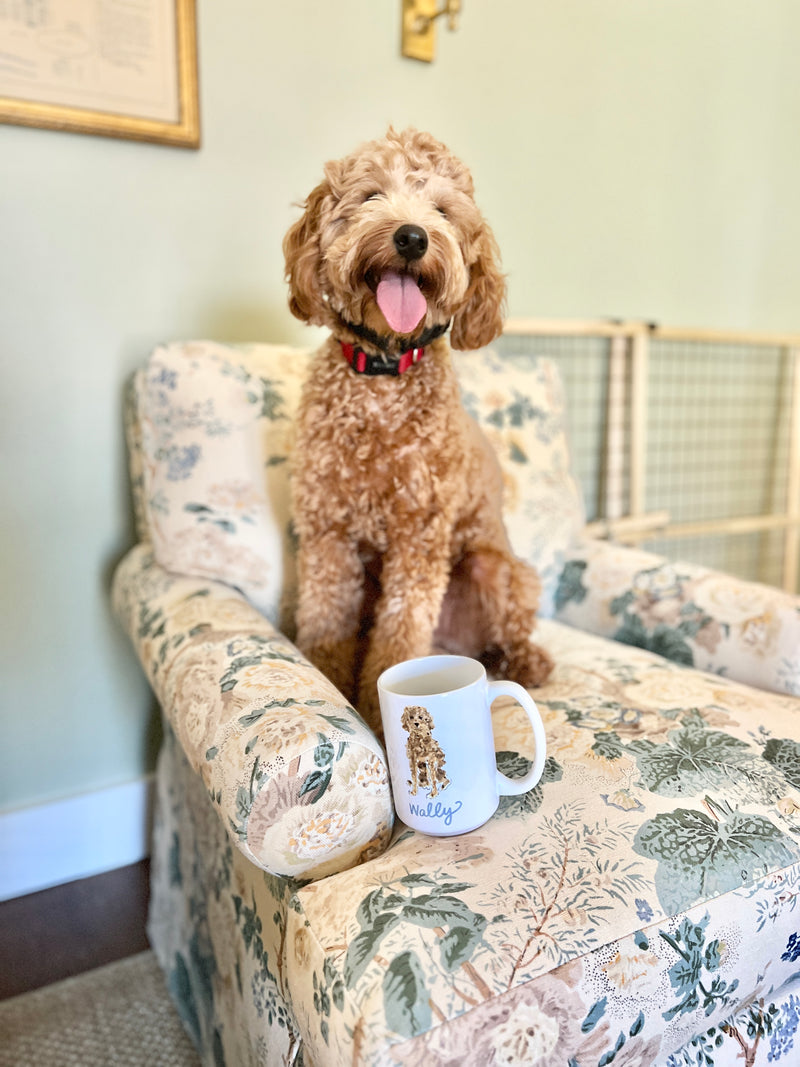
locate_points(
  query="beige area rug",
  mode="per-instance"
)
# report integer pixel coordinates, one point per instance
(118, 1015)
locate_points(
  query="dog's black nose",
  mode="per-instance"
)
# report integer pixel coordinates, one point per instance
(411, 242)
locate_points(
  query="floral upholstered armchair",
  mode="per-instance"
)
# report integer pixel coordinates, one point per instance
(639, 906)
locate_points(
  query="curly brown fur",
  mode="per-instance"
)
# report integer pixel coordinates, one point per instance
(392, 481)
(426, 760)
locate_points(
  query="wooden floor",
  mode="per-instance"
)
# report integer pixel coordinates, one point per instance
(72, 928)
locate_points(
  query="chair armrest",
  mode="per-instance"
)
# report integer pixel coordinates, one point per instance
(684, 612)
(299, 780)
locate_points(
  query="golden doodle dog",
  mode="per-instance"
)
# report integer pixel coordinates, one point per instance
(426, 760)
(396, 493)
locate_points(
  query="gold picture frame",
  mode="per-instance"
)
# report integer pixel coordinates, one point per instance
(49, 64)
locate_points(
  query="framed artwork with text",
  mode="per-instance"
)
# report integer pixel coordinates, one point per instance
(118, 68)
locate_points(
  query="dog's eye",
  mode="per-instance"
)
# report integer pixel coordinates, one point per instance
(372, 196)
(442, 211)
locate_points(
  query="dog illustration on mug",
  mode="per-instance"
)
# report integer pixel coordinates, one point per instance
(426, 760)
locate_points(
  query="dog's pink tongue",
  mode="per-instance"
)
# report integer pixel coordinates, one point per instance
(400, 301)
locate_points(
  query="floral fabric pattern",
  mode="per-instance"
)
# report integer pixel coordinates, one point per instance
(518, 401)
(218, 927)
(635, 908)
(640, 906)
(299, 780)
(684, 612)
(211, 431)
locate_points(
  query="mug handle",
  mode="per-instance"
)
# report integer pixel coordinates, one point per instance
(509, 787)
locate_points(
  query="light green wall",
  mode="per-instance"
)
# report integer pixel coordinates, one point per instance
(636, 158)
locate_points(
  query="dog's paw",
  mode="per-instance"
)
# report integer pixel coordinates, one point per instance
(529, 666)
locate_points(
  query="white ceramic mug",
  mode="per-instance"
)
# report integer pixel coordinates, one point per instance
(437, 722)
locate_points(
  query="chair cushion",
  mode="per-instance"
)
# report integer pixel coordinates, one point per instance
(685, 612)
(518, 401)
(215, 428)
(643, 893)
(211, 430)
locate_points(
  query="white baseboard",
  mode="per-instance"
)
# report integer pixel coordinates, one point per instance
(48, 844)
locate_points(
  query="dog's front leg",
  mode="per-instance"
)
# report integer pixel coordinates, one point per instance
(412, 764)
(331, 591)
(413, 583)
(509, 596)
(433, 775)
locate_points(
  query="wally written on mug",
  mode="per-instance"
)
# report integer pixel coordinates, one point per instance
(436, 714)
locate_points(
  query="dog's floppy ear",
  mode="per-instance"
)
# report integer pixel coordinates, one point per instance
(480, 318)
(302, 253)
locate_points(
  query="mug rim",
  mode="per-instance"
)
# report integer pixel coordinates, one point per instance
(437, 662)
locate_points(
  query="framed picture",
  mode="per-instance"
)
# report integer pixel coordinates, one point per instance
(118, 68)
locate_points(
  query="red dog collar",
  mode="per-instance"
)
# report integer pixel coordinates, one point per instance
(364, 363)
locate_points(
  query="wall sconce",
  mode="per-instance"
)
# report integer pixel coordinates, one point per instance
(419, 26)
